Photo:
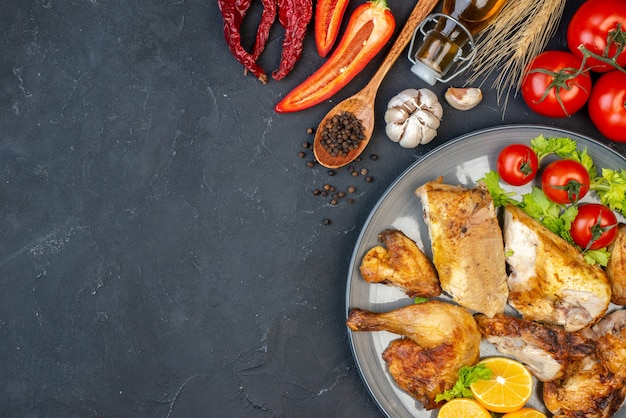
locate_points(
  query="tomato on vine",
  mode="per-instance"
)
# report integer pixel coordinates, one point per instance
(607, 105)
(599, 26)
(555, 84)
(565, 181)
(594, 227)
(517, 164)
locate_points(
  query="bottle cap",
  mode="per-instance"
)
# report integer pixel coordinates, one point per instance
(424, 72)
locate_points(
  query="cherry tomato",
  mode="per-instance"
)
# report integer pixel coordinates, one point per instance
(553, 85)
(594, 227)
(517, 164)
(590, 26)
(565, 181)
(607, 105)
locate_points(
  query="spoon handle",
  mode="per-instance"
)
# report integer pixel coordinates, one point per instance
(420, 11)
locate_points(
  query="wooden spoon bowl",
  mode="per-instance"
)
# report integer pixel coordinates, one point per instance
(361, 104)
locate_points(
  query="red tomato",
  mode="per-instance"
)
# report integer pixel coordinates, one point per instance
(594, 227)
(553, 86)
(607, 105)
(590, 26)
(565, 181)
(517, 164)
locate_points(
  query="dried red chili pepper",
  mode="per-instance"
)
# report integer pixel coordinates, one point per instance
(233, 12)
(370, 27)
(294, 16)
(328, 17)
(267, 20)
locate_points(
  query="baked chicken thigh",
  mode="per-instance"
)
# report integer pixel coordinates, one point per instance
(440, 339)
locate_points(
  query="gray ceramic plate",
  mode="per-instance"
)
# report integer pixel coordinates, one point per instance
(461, 161)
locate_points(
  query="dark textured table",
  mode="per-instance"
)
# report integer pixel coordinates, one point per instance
(162, 252)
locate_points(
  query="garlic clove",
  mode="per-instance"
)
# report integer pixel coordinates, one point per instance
(395, 130)
(396, 115)
(463, 98)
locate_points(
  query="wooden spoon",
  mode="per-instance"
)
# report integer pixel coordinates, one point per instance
(362, 103)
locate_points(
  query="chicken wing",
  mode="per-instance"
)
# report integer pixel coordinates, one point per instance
(545, 349)
(616, 268)
(441, 338)
(401, 264)
(467, 246)
(550, 281)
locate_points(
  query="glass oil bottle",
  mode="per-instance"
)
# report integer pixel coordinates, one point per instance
(451, 40)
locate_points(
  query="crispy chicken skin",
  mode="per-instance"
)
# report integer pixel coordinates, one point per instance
(401, 264)
(545, 349)
(587, 390)
(610, 336)
(441, 338)
(550, 281)
(422, 373)
(616, 268)
(467, 246)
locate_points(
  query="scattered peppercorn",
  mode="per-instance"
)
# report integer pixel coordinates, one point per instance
(333, 202)
(301, 154)
(317, 192)
(310, 164)
(350, 200)
(355, 174)
(326, 221)
(341, 194)
(331, 172)
(351, 189)
(369, 179)
(373, 157)
(310, 131)
(364, 171)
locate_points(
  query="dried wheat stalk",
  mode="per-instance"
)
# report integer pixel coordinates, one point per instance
(519, 33)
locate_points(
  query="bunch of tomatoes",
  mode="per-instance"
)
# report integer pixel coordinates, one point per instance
(559, 83)
(564, 181)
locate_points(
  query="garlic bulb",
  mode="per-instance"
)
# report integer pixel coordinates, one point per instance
(412, 117)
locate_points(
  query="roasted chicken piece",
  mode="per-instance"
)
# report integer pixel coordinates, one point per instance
(401, 264)
(550, 281)
(594, 385)
(587, 389)
(441, 338)
(616, 268)
(467, 246)
(545, 349)
(610, 336)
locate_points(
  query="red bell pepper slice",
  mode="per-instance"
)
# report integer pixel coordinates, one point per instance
(328, 17)
(370, 27)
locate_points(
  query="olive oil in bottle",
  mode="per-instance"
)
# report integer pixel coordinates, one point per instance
(444, 44)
